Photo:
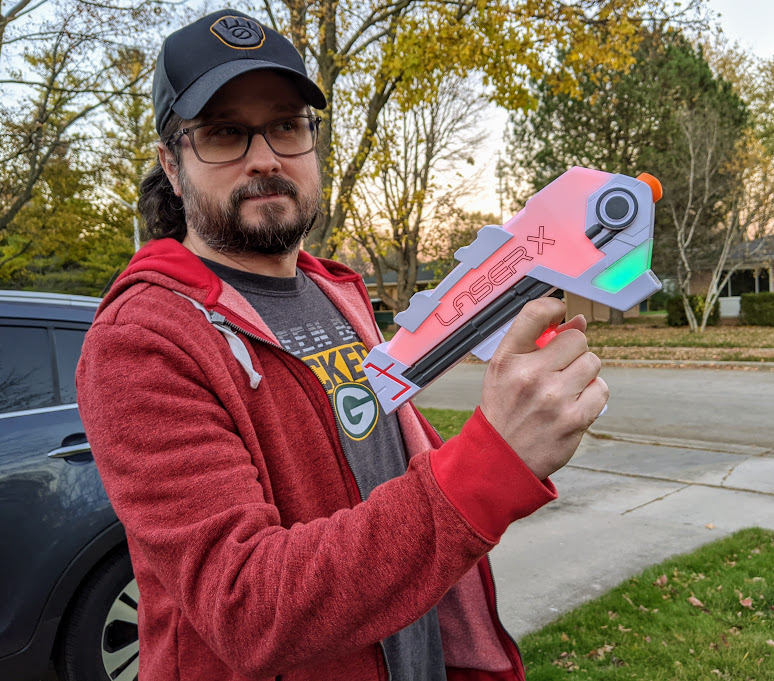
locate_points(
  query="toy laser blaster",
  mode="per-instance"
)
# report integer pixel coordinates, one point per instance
(588, 232)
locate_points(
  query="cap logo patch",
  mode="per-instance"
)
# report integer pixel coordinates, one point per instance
(239, 33)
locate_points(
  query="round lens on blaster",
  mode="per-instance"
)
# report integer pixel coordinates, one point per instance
(617, 208)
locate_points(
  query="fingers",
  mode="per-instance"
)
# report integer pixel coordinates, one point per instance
(534, 318)
(577, 322)
(593, 399)
(565, 349)
(580, 372)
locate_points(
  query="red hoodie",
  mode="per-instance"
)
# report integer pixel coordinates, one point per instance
(254, 555)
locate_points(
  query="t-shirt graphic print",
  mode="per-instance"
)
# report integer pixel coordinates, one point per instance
(335, 354)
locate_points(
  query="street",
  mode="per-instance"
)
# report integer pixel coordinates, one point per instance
(712, 405)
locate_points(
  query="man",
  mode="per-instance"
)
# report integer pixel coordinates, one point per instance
(279, 527)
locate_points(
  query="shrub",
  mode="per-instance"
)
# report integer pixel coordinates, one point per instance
(757, 309)
(658, 300)
(676, 311)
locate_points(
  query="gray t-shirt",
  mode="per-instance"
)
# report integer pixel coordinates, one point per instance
(311, 328)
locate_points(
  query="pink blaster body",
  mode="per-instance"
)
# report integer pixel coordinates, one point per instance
(588, 232)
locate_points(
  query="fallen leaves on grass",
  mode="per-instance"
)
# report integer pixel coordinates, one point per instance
(567, 661)
(661, 581)
(658, 334)
(744, 602)
(599, 653)
(695, 602)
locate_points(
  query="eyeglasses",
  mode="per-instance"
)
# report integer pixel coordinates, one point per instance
(224, 142)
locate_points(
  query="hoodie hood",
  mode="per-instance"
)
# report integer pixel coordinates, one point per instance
(167, 263)
(168, 259)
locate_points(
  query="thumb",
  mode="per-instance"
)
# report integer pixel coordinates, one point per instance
(535, 317)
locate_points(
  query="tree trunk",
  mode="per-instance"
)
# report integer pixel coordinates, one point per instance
(616, 317)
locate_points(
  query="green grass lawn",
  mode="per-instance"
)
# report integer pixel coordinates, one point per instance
(447, 422)
(703, 616)
(653, 331)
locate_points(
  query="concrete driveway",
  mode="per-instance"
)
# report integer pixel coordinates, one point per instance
(692, 459)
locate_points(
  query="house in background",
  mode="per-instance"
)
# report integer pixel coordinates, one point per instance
(754, 273)
(593, 311)
(426, 278)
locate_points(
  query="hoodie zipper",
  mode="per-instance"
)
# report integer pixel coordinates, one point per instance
(220, 320)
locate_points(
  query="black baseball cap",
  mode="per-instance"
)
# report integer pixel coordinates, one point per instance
(200, 58)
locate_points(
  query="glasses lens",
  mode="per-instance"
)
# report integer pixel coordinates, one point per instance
(291, 135)
(220, 142)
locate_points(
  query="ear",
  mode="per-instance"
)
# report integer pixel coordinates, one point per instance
(170, 166)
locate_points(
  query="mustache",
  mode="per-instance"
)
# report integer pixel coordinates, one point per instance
(259, 187)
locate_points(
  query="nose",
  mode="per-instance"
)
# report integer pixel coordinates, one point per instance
(260, 159)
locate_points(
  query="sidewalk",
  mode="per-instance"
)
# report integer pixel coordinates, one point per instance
(625, 504)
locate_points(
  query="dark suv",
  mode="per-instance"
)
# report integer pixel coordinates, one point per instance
(67, 592)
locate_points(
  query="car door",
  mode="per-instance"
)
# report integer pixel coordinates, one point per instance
(52, 502)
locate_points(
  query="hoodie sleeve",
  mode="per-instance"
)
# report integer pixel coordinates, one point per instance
(268, 598)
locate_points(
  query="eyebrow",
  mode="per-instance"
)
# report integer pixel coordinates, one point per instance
(278, 108)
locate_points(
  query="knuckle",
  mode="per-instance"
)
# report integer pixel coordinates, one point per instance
(578, 339)
(541, 308)
(594, 363)
(528, 377)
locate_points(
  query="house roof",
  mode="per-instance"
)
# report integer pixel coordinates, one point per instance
(758, 251)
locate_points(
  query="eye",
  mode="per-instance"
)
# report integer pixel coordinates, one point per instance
(225, 130)
(617, 208)
(287, 126)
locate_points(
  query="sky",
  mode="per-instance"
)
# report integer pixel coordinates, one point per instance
(748, 22)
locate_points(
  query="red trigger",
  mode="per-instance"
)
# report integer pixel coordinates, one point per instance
(548, 335)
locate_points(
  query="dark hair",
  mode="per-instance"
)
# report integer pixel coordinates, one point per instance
(160, 208)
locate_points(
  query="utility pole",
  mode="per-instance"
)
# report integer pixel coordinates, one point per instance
(499, 174)
(135, 222)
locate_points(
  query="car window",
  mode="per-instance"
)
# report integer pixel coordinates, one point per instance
(68, 350)
(26, 378)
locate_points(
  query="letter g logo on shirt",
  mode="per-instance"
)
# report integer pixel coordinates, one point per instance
(356, 409)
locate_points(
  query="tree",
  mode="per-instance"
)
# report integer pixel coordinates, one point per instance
(459, 229)
(366, 54)
(637, 120)
(404, 193)
(57, 71)
(704, 186)
(129, 136)
(750, 205)
(45, 246)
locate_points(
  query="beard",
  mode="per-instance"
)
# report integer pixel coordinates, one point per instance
(223, 228)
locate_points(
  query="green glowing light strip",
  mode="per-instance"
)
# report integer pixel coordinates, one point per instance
(626, 270)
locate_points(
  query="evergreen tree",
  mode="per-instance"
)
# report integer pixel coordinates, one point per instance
(633, 121)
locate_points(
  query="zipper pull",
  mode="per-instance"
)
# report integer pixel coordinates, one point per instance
(217, 318)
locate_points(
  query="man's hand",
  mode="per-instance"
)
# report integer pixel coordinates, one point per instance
(541, 401)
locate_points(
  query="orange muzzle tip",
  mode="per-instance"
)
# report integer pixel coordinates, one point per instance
(653, 183)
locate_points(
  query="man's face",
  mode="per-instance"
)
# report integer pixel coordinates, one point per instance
(262, 203)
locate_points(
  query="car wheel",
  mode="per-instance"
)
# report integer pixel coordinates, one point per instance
(99, 640)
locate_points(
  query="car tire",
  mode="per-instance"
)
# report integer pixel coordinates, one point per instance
(98, 641)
